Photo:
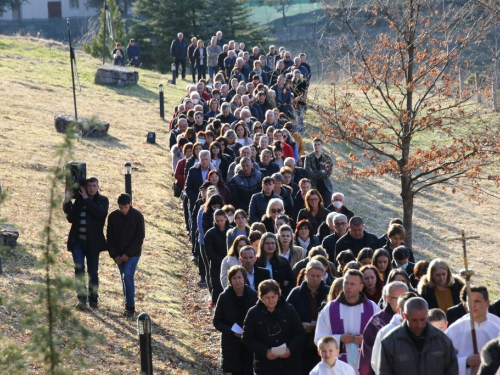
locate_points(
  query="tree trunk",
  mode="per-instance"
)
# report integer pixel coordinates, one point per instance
(284, 16)
(407, 197)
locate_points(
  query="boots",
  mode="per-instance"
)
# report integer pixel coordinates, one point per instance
(129, 312)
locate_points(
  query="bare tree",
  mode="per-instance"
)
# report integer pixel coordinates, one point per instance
(402, 106)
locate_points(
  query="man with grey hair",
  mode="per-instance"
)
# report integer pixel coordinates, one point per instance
(244, 151)
(220, 40)
(298, 173)
(244, 184)
(391, 293)
(337, 205)
(416, 347)
(196, 176)
(226, 117)
(340, 224)
(178, 50)
(182, 125)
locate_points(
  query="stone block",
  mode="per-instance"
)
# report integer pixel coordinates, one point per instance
(86, 127)
(116, 75)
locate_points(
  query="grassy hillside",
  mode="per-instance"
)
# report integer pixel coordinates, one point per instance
(36, 85)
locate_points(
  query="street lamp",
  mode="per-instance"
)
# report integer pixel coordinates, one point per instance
(144, 332)
(162, 104)
(127, 170)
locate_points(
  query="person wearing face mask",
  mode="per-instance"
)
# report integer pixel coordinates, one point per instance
(400, 257)
(337, 205)
(240, 227)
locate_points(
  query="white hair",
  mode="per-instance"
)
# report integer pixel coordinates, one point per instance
(273, 202)
(204, 153)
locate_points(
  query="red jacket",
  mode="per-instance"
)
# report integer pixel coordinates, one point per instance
(179, 172)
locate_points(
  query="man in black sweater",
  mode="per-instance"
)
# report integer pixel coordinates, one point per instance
(125, 236)
(356, 238)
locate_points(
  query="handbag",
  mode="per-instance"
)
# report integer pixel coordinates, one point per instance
(177, 189)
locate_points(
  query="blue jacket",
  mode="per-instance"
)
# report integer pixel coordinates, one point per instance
(133, 51)
(178, 49)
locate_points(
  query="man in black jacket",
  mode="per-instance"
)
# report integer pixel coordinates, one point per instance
(356, 238)
(125, 234)
(255, 275)
(87, 215)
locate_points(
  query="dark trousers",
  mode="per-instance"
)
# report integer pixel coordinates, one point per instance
(201, 264)
(80, 253)
(309, 358)
(183, 63)
(202, 72)
(185, 208)
(206, 263)
(193, 70)
(216, 285)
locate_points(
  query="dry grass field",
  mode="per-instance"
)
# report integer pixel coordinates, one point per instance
(36, 85)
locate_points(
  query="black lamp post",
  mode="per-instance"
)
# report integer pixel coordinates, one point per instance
(144, 332)
(127, 170)
(162, 103)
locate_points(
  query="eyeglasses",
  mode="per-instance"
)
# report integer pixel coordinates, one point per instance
(393, 298)
(340, 224)
(215, 207)
(276, 210)
(270, 243)
(313, 199)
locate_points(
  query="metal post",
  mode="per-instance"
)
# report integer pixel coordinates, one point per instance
(127, 170)
(162, 103)
(1, 269)
(144, 332)
(104, 36)
(478, 88)
(72, 58)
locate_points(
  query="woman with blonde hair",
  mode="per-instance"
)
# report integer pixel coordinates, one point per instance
(439, 287)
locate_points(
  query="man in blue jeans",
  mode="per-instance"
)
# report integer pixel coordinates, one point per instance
(125, 236)
(87, 215)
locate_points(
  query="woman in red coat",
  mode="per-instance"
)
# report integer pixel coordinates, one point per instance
(187, 150)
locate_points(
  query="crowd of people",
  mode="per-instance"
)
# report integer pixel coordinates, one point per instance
(297, 284)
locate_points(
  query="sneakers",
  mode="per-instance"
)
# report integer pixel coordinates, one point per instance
(202, 282)
(93, 304)
(82, 304)
(129, 312)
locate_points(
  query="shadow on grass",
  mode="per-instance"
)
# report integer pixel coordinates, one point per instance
(137, 91)
(108, 141)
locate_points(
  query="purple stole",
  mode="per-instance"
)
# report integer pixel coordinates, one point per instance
(338, 329)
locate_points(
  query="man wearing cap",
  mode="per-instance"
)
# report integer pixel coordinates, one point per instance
(133, 53)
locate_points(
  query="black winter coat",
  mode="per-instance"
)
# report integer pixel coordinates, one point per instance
(242, 188)
(315, 221)
(347, 242)
(286, 195)
(427, 292)
(299, 173)
(281, 272)
(343, 210)
(234, 356)
(97, 210)
(263, 330)
(215, 245)
(299, 299)
(329, 243)
(258, 206)
(314, 242)
(323, 231)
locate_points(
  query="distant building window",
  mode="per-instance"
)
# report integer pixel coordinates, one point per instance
(73, 4)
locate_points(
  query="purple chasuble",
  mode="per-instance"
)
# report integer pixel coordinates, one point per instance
(338, 329)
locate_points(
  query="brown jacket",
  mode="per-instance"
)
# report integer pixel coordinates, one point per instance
(125, 233)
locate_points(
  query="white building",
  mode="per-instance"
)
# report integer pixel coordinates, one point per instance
(44, 9)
